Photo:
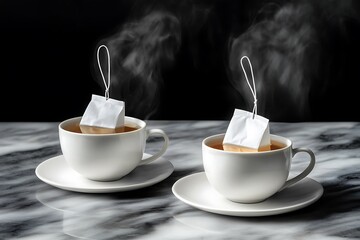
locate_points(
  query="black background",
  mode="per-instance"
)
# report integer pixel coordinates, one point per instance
(48, 70)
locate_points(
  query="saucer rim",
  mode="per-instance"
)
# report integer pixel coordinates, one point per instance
(249, 212)
(106, 189)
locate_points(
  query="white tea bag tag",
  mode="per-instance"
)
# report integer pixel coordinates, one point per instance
(247, 132)
(103, 114)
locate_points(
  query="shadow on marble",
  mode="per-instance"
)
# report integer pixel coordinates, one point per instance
(112, 215)
(140, 211)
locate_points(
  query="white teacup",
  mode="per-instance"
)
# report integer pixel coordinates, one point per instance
(107, 157)
(251, 177)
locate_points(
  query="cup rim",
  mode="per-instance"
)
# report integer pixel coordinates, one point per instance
(272, 136)
(61, 128)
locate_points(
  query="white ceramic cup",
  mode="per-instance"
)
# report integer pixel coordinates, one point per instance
(107, 157)
(251, 177)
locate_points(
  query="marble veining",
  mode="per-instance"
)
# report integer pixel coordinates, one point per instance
(31, 209)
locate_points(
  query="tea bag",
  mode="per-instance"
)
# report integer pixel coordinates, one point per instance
(103, 114)
(247, 131)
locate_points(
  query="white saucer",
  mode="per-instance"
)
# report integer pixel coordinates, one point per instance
(57, 173)
(196, 191)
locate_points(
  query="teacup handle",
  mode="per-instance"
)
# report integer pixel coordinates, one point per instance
(307, 170)
(156, 132)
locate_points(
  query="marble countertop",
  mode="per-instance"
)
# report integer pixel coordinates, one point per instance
(32, 209)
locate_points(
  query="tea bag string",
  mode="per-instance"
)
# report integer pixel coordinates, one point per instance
(107, 85)
(253, 90)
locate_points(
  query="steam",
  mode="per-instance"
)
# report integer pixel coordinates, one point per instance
(139, 53)
(285, 53)
(293, 49)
